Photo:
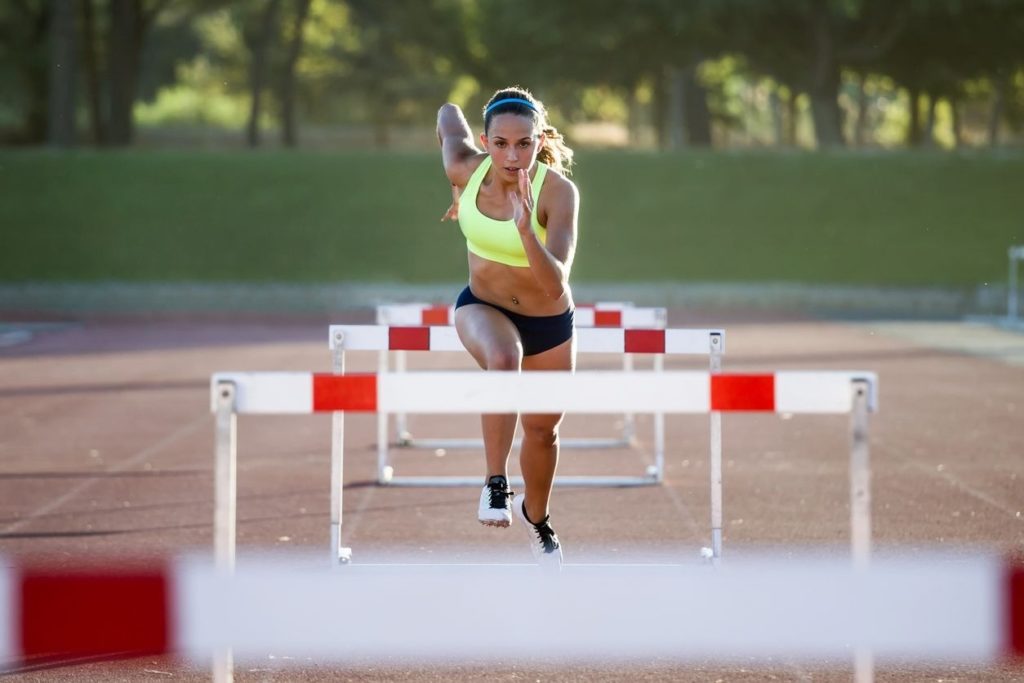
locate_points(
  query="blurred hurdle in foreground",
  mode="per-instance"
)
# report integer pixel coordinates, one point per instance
(600, 315)
(796, 392)
(655, 342)
(928, 609)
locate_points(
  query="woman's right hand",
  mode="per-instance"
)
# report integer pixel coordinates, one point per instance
(452, 214)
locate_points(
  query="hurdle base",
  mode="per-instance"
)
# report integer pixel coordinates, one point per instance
(407, 441)
(584, 480)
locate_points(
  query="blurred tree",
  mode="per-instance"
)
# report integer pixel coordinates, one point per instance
(24, 31)
(259, 37)
(656, 43)
(130, 22)
(91, 67)
(289, 135)
(402, 62)
(63, 69)
(949, 44)
(804, 44)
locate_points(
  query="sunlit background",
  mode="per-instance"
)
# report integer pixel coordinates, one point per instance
(852, 145)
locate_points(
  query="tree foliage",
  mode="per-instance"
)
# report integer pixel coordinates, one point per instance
(675, 66)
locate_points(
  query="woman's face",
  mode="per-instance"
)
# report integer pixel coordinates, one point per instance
(513, 142)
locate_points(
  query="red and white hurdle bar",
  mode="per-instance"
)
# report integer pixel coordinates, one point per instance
(656, 342)
(793, 392)
(926, 610)
(600, 314)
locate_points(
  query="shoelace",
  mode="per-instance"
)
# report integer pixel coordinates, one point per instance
(499, 495)
(547, 536)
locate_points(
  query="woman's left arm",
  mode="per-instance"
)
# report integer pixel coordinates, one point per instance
(552, 261)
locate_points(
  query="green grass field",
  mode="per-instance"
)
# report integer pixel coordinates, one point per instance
(880, 219)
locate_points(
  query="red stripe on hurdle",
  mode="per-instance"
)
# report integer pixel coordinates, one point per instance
(409, 338)
(645, 341)
(607, 318)
(86, 613)
(435, 315)
(1015, 612)
(345, 392)
(743, 392)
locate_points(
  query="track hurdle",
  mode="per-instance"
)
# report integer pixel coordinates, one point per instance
(934, 609)
(789, 392)
(601, 314)
(656, 342)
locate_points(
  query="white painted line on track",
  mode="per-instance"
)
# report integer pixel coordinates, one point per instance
(81, 487)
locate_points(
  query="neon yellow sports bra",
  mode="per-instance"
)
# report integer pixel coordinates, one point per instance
(492, 239)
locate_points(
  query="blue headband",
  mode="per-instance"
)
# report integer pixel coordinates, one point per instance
(511, 100)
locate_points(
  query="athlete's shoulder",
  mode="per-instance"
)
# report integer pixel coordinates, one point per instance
(461, 171)
(561, 187)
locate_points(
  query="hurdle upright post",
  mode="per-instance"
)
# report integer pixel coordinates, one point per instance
(715, 468)
(1012, 306)
(225, 483)
(339, 554)
(860, 475)
(860, 508)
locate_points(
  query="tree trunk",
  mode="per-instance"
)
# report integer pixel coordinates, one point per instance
(659, 109)
(695, 109)
(928, 139)
(778, 118)
(92, 73)
(996, 114)
(634, 123)
(63, 68)
(958, 133)
(257, 72)
(914, 126)
(828, 131)
(123, 69)
(289, 134)
(860, 132)
(34, 74)
(825, 80)
(676, 113)
(792, 115)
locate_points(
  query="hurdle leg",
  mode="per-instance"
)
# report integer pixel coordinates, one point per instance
(1012, 307)
(225, 483)
(715, 419)
(860, 509)
(628, 419)
(403, 436)
(860, 476)
(384, 469)
(658, 472)
(339, 554)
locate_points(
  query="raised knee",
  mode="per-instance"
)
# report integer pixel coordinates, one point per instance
(503, 359)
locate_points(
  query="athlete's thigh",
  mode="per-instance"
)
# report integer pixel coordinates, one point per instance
(561, 357)
(488, 335)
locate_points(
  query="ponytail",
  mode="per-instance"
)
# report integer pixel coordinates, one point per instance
(555, 153)
(515, 100)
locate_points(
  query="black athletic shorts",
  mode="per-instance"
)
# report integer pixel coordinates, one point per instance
(538, 333)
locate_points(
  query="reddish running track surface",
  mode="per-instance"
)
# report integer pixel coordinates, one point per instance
(107, 448)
